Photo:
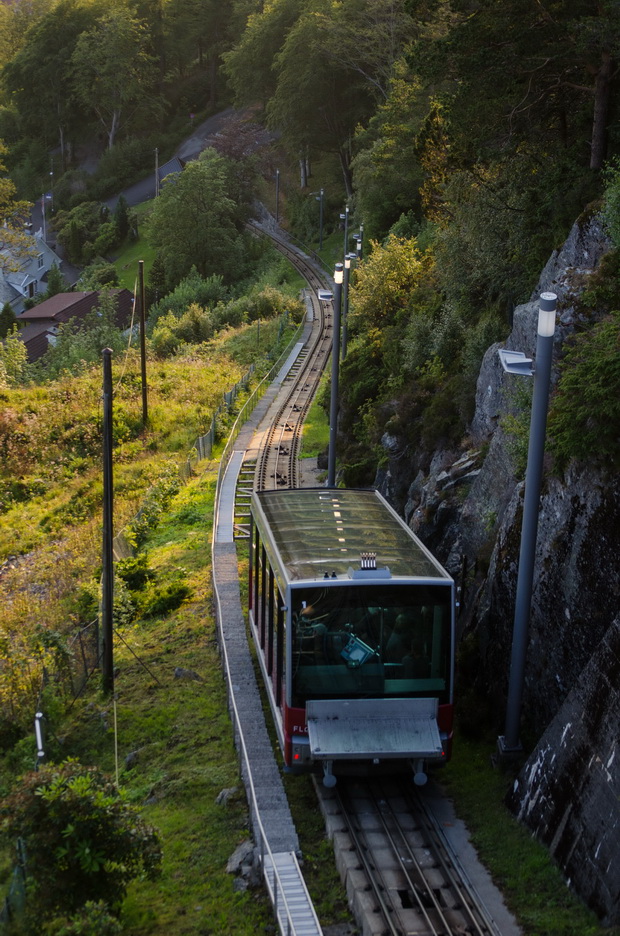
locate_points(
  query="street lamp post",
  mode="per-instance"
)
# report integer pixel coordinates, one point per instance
(333, 406)
(344, 216)
(277, 195)
(320, 201)
(515, 362)
(359, 239)
(345, 302)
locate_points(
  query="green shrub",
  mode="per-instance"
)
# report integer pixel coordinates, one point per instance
(83, 840)
(166, 598)
(94, 919)
(134, 571)
(155, 502)
(205, 292)
(13, 360)
(124, 611)
(98, 275)
(611, 201)
(19, 491)
(79, 228)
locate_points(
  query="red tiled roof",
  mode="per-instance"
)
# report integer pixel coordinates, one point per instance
(62, 307)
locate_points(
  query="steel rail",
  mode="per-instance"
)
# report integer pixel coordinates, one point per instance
(440, 891)
(423, 893)
(368, 866)
(479, 916)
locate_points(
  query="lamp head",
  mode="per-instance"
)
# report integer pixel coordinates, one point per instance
(546, 314)
(338, 273)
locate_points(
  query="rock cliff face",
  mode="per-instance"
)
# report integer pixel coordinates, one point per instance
(468, 508)
(568, 792)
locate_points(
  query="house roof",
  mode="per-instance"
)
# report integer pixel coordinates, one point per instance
(173, 165)
(44, 318)
(34, 336)
(61, 307)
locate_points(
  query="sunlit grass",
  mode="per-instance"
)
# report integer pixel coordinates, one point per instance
(133, 251)
(315, 437)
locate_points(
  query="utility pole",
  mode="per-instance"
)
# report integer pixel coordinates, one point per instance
(142, 301)
(107, 597)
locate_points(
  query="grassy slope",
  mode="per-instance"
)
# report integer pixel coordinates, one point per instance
(179, 728)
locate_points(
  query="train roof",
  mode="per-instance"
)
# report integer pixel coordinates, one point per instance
(318, 533)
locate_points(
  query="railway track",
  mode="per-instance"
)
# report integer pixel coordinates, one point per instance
(277, 463)
(400, 874)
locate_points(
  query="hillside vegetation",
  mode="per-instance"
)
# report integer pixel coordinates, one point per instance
(463, 138)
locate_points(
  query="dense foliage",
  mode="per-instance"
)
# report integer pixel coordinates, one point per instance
(199, 219)
(585, 413)
(83, 840)
(473, 133)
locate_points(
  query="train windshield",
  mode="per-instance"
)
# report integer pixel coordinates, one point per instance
(371, 641)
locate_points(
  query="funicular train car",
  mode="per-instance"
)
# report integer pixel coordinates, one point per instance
(353, 619)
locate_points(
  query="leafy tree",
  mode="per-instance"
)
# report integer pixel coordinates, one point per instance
(7, 320)
(16, 21)
(384, 283)
(93, 919)
(83, 840)
(106, 240)
(249, 64)
(155, 282)
(524, 70)
(318, 101)
(13, 215)
(78, 229)
(56, 283)
(120, 216)
(387, 172)
(98, 275)
(114, 74)
(39, 76)
(196, 32)
(198, 220)
(13, 359)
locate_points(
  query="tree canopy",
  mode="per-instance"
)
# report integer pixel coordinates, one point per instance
(199, 217)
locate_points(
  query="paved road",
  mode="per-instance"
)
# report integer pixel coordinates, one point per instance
(191, 148)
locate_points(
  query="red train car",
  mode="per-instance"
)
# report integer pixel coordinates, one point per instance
(353, 619)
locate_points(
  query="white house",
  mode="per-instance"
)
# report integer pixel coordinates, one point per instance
(28, 275)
